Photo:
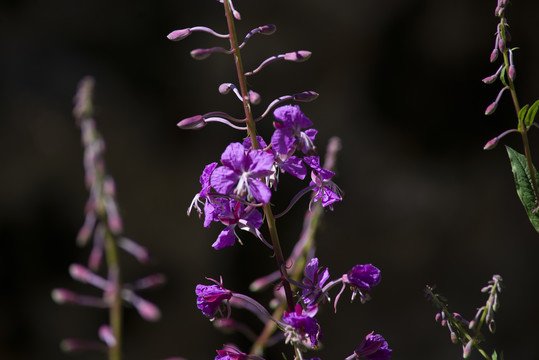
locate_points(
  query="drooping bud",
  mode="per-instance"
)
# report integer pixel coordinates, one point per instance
(454, 338)
(297, 56)
(200, 54)
(512, 72)
(492, 107)
(306, 96)
(491, 144)
(135, 249)
(494, 55)
(467, 350)
(192, 123)
(268, 29)
(178, 35)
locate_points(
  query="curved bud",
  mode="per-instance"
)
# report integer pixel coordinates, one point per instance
(491, 144)
(105, 334)
(192, 123)
(297, 56)
(512, 72)
(178, 35)
(494, 55)
(200, 54)
(306, 96)
(225, 88)
(268, 29)
(491, 108)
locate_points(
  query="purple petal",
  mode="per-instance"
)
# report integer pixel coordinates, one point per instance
(259, 163)
(294, 166)
(223, 179)
(311, 269)
(225, 238)
(329, 197)
(259, 190)
(248, 146)
(254, 218)
(282, 140)
(234, 156)
(205, 179)
(312, 161)
(292, 116)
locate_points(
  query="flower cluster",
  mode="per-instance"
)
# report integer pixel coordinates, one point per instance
(238, 191)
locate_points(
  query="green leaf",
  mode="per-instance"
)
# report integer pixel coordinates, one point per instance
(494, 355)
(524, 184)
(530, 116)
(502, 77)
(522, 112)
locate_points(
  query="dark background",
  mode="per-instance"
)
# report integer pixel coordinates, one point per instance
(399, 82)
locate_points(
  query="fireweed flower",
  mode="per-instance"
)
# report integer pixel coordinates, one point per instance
(230, 352)
(326, 190)
(241, 170)
(302, 328)
(314, 281)
(288, 135)
(361, 278)
(232, 214)
(206, 187)
(373, 347)
(210, 298)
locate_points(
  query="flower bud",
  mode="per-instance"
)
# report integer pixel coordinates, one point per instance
(178, 35)
(491, 108)
(105, 334)
(306, 96)
(268, 29)
(192, 123)
(200, 54)
(147, 310)
(297, 56)
(467, 350)
(254, 97)
(494, 55)
(491, 144)
(454, 338)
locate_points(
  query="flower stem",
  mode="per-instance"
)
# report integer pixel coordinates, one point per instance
(115, 311)
(251, 129)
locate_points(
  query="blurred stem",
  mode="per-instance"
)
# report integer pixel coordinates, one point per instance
(251, 128)
(300, 252)
(115, 311)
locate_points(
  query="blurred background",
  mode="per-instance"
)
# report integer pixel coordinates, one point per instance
(399, 83)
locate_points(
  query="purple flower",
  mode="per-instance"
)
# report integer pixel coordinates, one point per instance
(314, 281)
(210, 297)
(232, 214)
(231, 352)
(288, 135)
(303, 328)
(373, 347)
(326, 190)
(241, 170)
(363, 277)
(292, 165)
(205, 179)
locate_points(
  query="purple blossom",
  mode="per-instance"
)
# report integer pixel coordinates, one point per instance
(205, 179)
(288, 135)
(303, 328)
(363, 277)
(210, 297)
(230, 352)
(314, 281)
(326, 190)
(241, 170)
(373, 347)
(292, 165)
(232, 214)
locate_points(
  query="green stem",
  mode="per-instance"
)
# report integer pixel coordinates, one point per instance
(251, 129)
(522, 128)
(115, 311)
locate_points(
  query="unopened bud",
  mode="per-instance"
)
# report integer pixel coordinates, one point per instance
(491, 108)
(491, 144)
(62, 296)
(147, 310)
(306, 96)
(200, 54)
(454, 338)
(297, 56)
(501, 44)
(512, 72)
(254, 97)
(79, 273)
(105, 334)
(437, 317)
(494, 55)
(178, 35)
(192, 123)
(225, 88)
(268, 29)
(492, 326)
(467, 350)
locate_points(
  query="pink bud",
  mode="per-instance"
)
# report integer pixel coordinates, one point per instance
(268, 29)
(512, 72)
(62, 296)
(79, 273)
(491, 144)
(178, 35)
(467, 350)
(105, 334)
(491, 108)
(200, 54)
(192, 123)
(254, 97)
(147, 310)
(494, 55)
(490, 79)
(297, 56)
